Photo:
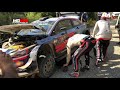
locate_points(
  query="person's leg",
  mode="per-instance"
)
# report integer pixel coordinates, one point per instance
(98, 47)
(104, 49)
(119, 37)
(79, 52)
(87, 62)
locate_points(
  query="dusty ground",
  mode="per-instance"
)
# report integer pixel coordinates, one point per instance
(108, 69)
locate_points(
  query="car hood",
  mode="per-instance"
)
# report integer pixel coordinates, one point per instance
(16, 27)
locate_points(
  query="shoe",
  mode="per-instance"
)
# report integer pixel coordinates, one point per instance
(98, 62)
(65, 68)
(74, 74)
(86, 67)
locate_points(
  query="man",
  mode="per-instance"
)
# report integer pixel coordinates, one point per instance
(84, 17)
(99, 14)
(7, 68)
(85, 43)
(117, 26)
(103, 37)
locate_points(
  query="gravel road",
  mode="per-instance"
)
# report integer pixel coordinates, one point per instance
(108, 69)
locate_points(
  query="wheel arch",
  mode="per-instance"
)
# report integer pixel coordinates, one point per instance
(45, 49)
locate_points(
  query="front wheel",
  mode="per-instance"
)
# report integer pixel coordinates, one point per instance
(46, 66)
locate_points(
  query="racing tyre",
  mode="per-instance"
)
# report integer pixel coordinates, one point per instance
(46, 66)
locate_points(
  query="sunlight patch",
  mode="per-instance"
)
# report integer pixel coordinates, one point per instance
(105, 65)
(117, 66)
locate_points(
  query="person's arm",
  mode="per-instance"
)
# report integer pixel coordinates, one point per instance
(68, 56)
(95, 28)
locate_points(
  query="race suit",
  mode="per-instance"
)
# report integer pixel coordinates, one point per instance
(85, 43)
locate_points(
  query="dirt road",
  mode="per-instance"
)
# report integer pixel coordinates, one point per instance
(108, 69)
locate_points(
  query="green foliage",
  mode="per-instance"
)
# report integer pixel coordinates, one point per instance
(31, 16)
(91, 23)
(92, 15)
(7, 17)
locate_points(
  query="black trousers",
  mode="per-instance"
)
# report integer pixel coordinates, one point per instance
(101, 47)
(87, 47)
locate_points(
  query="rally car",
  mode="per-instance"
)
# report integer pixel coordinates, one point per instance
(39, 49)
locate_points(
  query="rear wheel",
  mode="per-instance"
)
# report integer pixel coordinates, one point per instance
(46, 66)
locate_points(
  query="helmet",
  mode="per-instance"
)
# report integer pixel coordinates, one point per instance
(104, 15)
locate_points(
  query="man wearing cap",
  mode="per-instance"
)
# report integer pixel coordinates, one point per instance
(103, 37)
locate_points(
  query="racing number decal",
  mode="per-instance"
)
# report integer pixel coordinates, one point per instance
(60, 43)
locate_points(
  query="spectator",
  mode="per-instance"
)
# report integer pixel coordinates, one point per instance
(117, 26)
(103, 37)
(99, 14)
(84, 17)
(7, 68)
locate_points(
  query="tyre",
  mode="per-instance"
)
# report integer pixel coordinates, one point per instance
(46, 66)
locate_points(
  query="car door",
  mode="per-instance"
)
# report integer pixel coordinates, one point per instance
(61, 37)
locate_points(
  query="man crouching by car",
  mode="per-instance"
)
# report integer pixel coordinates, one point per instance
(85, 43)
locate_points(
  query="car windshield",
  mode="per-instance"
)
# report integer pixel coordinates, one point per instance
(45, 24)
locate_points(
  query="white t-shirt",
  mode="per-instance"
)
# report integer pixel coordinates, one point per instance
(104, 30)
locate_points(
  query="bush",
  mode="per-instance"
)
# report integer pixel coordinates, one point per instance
(91, 23)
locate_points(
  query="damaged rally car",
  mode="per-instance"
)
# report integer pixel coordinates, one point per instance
(40, 48)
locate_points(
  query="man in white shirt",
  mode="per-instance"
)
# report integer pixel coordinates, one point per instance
(103, 37)
(85, 43)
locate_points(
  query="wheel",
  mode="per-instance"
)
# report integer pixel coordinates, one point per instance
(46, 66)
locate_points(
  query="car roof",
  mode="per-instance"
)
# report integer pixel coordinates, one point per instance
(62, 17)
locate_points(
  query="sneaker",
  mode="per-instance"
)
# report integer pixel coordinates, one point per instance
(86, 67)
(98, 62)
(74, 74)
(65, 68)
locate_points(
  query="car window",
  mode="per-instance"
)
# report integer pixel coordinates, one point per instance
(62, 26)
(76, 22)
